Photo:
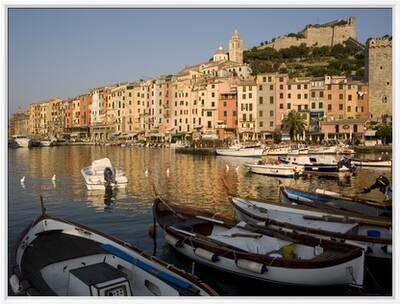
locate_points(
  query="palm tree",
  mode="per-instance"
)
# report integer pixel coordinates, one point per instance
(295, 123)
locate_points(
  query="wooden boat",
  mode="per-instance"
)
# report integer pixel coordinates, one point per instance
(372, 163)
(335, 202)
(54, 256)
(318, 164)
(373, 235)
(261, 253)
(101, 173)
(277, 170)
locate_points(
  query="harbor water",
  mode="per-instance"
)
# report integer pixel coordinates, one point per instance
(191, 179)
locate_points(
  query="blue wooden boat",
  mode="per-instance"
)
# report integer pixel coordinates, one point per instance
(335, 202)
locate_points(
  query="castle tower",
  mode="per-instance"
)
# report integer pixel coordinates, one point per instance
(236, 48)
(379, 77)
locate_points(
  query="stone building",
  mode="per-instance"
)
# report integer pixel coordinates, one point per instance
(327, 34)
(19, 123)
(379, 77)
(236, 48)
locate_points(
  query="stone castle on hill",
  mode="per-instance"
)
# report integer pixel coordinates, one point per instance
(327, 34)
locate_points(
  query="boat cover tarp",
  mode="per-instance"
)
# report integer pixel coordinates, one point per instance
(262, 245)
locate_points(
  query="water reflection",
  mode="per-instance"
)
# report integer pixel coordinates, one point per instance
(201, 181)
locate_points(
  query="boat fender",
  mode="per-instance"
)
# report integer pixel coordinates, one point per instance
(205, 254)
(318, 250)
(173, 241)
(251, 266)
(15, 284)
(387, 249)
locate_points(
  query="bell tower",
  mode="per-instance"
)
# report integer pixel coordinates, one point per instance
(236, 48)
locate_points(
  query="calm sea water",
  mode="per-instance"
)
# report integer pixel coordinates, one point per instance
(192, 179)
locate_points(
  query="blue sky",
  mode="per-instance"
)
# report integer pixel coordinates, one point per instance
(64, 52)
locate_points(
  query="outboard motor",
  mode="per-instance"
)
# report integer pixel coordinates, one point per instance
(382, 183)
(109, 176)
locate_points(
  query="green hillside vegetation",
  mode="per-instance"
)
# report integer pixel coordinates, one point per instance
(301, 60)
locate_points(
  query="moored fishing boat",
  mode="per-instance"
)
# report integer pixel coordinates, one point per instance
(319, 164)
(372, 163)
(240, 150)
(277, 151)
(335, 202)
(374, 235)
(277, 170)
(54, 256)
(258, 252)
(101, 173)
(22, 141)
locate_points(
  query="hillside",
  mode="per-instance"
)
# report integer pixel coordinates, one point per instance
(302, 60)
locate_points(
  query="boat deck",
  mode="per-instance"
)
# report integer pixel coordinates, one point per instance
(51, 247)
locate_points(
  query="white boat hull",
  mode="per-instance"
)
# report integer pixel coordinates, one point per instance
(376, 164)
(276, 170)
(351, 272)
(244, 152)
(23, 142)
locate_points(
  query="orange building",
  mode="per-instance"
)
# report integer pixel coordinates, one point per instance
(227, 115)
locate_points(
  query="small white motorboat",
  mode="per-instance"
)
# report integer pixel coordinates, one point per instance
(374, 235)
(319, 164)
(277, 170)
(277, 151)
(262, 253)
(56, 257)
(241, 150)
(46, 143)
(22, 141)
(372, 163)
(323, 150)
(101, 173)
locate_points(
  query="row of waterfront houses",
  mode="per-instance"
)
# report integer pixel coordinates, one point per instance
(217, 99)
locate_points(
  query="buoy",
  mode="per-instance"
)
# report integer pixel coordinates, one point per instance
(146, 173)
(22, 179)
(205, 254)
(227, 167)
(53, 178)
(151, 230)
(173, 241)
(167, 171)
(251, 266)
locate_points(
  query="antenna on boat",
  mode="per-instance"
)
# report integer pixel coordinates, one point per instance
(42, 205)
